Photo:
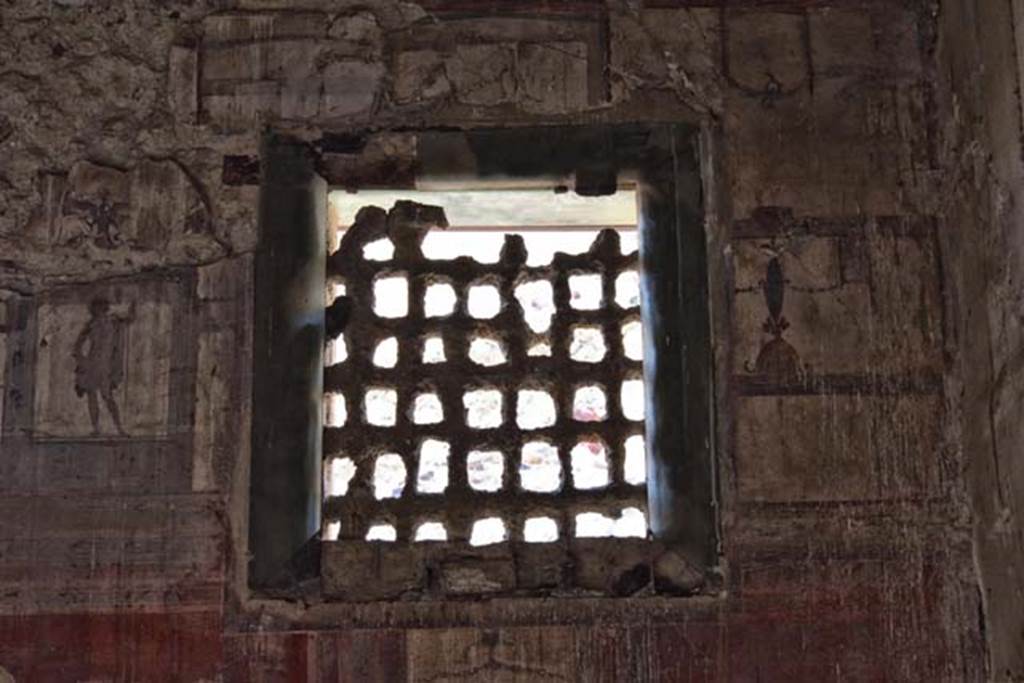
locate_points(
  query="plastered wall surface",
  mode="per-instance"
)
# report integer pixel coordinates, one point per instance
(129, 139)
(980, 72)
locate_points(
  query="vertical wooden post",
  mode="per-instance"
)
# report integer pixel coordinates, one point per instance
(285, 484)
(677, 358)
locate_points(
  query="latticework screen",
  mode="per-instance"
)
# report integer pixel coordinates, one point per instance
(478, 403)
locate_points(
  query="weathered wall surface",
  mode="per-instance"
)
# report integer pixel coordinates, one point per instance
(981, 46)
(129, 134)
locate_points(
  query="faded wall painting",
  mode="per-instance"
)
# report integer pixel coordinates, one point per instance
(102, 373)
(103, 368)
(3, 361)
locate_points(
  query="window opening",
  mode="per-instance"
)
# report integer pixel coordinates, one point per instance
(432, 474)
(381, 250)
(635, 464)
(486, 351)
(539, 467)
(389, 476)
(391, 297)
(337, 351)
(627, 289)
(336, 410)
(506, 243)
(585, 292)
(485, 470)
(439, 300)
(589, 404)
(433, 350)
(537, 301)
(431, 531)
(381, 407)
(380, 532)
(590, 465)
(500, 347)
(386, 353)
(483, 408)
(587, 344)
(632, 340)
(488, 531)
(484, 301)
(340, 472)
(535, 409)
(427, 410)
(540, 530)
(541, 349)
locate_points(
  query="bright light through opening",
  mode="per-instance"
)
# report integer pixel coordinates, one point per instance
(558, 222)
(479, 221)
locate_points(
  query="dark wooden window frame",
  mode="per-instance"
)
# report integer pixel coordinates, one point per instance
(662, 160)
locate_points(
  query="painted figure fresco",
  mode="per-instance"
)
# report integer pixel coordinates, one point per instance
(100, 358)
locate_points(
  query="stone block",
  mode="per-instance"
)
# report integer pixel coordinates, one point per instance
(483, 74)
(552, 77)
(841, 105)
(765, 50)
(769, 159)
(908, 437)
(350, 87)
(361, 28)
(44, 224)
(3, 367)
(262, 26)
(635, 60)
(675, 575)
(213, 408)
(183, 83)
(478, 575)
(363, 572)
(841, 40)
(244, 105)
(501, 655)
(908, 301)
(166, 204)
(221, 28)
(612, 566)
(667, 46)
(854, 259)
(289, 60)
(233, 63)
(897, 40)
(541, 565)
(300, 98)
(419, 75)
(806, 448)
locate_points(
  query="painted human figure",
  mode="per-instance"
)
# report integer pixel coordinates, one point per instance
(99, 354)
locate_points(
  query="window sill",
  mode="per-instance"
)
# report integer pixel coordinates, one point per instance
(477, 612)
(582, 589)
(577, 567)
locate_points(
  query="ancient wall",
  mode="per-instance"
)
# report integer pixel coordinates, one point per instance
(979, 66)
(129, 137)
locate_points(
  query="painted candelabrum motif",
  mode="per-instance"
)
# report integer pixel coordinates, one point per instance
(777, 359)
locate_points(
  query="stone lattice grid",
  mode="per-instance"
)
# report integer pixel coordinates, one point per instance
(460, 505)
